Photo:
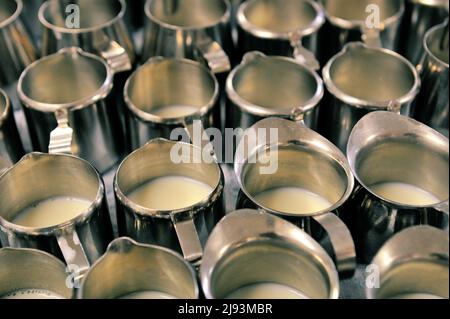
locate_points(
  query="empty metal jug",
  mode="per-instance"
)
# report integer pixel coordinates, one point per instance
(193, 29)
(69, 104)
(101, 30)
(413, 161)
(283, 27)
(362, 79)
(130, 270)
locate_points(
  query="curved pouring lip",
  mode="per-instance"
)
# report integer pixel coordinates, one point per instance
(290, 134)
(14, 16)
(60, 228)
(102, 92)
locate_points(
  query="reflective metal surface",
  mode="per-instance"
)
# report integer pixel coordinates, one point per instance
(11, 149)
(128, 267)
(361, 79)
(431, 106)
(249, 247)
(305, 160)
(17, 47)
(419, 17)
(279, 27)
(38, 177)
(101, 30)
(32, 269)
(387, 147)
(184, 230)
(354, 20)
(266, 86)
(73, 86)
(193, 29)
(415, 261)
(168, 82)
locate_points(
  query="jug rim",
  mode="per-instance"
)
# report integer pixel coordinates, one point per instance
(61, 227)
(5, 111)
(432, 3)
(167, 214)
(101, 93)
(264, 33)
(251, 108)
(14, 16)
(225, 18)
(43, 20)
(366, 104)
(152, 118)
(355, 24)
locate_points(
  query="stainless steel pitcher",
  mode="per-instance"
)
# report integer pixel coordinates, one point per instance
(306, 160)
(412, 265)
(283, 27)
(128, 267)
(420, 16)
(17, 49)
(69, 104)
(101, 30)
(11, 149)
(168, 82)
(250, 247)
(431, 106)
(193, 29)
(386, 147)
(362, 79)
(267, 86)
(29, 269)
(39, 177)
(184, 230)
(376, 22)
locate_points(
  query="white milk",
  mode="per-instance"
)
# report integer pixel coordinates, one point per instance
(416, 296)
(405, 194)
(292, 200)
(266, 291)
(174, 111)
(32, 294)
(51, 212)
(147, 295)
(170, 193)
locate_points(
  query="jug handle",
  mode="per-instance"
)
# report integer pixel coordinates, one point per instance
(212, 54)
(115, 55)
(301, 54)
(188, 237)
(342, 242)
(371, 37)
(74, 255)
(61, 138)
